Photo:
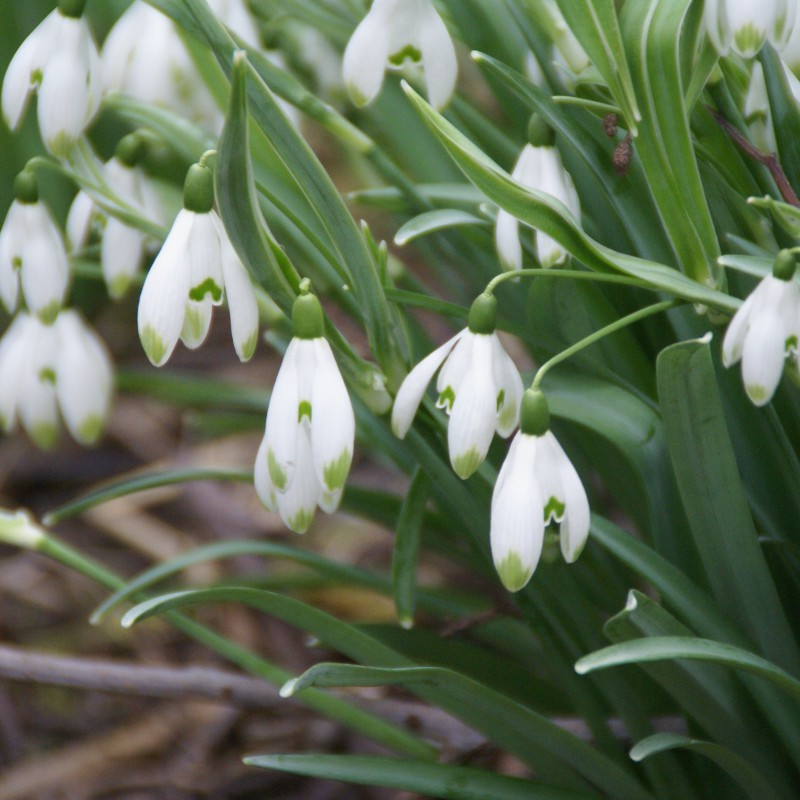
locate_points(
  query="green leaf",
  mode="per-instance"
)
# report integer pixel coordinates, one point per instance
(421, 777)
(434, 221)
(712, 493)
(595, 25)
(520, 730)
(140, 483)
(662, 648)
(652, 35)
(756, 786)
(405, 554)
(547, 214)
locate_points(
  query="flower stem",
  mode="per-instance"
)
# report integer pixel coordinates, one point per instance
(642, 313)
(578, 275)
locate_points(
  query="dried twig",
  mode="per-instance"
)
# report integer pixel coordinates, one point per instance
(132, 679)
(770, 161)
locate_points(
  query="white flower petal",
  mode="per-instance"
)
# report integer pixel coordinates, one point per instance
(38, 409)
(196, 322)
(44, 274)
(733, 342)
(506, 240)
(474, 414)
(15, 358)
(242, 303)
(162, 302)
(13, 236)
(83, 378)
(409, 396)
(438, 55)
(366, 54)
(517, 526)
(452, 373)
(120, 255)
(205, 259)
(79, 221)
(333, 424)
(299, 502)
(508, 384)
(261, 479)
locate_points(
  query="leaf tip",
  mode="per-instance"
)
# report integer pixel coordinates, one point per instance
(288, 689)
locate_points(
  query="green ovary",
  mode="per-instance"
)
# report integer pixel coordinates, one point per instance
(153, 344)
(334, 473)
(512, 572)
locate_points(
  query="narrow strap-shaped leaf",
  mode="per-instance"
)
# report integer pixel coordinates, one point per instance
(435, 221)
(405, 554)
(661, 648)
(514, 727)
(595, 25)
(421, 777)
(545, 213)
(712, 492)
(752, 781)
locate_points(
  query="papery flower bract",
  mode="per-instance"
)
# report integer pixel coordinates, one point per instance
(391, 32)
(307, 449)
(60, 60)
(44, 367)
(536, 485)
(539, 168)
(744, 25)
(33, 257)
(479, 387)
(764, 331)
(196, 267)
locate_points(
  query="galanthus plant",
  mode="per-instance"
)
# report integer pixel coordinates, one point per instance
(574, 224)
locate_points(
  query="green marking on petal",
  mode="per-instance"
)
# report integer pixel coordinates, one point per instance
(154, 346)
(47, 375)
(304, 410)
(249, 347)
(90, 429)
(208, 286)
(506, 416)
(408, 52)
(357, 96)
(758, 394)
(554, 510)
(501, 398)
(16, 263)
(466, 463)
(44, 435)
(194, 325)
(36, 76)
(749, 38)
(61, 144)
(334, 473)
(513, 574)
(301, 521)
(118, 286)
(49, 313)
(551, 546)
(277, 473)
(446, 399)
(791, 343)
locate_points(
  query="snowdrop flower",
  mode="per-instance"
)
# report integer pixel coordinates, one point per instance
(478, 384)
(59, 59)
(32, 253)
(196, 267)
(44, 368)
(305, 456)
(766, 329)
(122, 246)
(757, 112)
(144, 57)
(539, 167)
(537, 484)
(393, 31)
(744, 25)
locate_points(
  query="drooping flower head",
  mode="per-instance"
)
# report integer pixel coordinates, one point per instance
(538, 167)
(307, 449)
(196, 268)
(45, 368)
(765, 330)
(744, 25)
(122, 245)
(59, 60)
(33, 258)
(395, 31)
(478, 384)
(537, 485)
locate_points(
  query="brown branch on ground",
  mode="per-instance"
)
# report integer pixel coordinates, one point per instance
(770, 161)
